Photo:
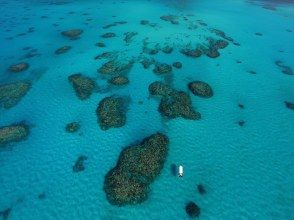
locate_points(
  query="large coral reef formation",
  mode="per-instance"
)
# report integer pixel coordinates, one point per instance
(137, 167)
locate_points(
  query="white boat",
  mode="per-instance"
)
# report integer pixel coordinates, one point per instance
(181, 171)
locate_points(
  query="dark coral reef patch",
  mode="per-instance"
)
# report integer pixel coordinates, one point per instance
(162, 68)
(13, 133)
(173, 103)
(201, 89)
(19, 67)
(119, 80)
(72, 34)
(79, 164)
(11, 94)
(115, 67)
(137, 167)
(72, 127)
(111, 113)
(62, 50)
(285, 69)
(83, 85)
(289, 105)
(193, 210)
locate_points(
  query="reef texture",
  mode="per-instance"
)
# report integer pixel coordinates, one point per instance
(62, 50)
(72, 34)
(115, 67)
(285, 69)
(111, 113)
(162, 68)
(119, 80)
(173, 103)
(193, 210)
(82, 85)
(201, 89)
(289, 105)
(13, 133)
(11, 94)
(79, 164)
(72, 127)
(19, 67)
(137, 167)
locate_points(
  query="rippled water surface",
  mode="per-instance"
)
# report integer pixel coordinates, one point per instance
(76, 90)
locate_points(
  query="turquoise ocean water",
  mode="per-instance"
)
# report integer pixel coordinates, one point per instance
(247, 171)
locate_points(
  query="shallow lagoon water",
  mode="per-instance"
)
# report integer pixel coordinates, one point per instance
(247, 170)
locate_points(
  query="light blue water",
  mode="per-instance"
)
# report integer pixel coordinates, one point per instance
(247, 171)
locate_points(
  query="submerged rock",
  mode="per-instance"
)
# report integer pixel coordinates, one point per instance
(108, 35)
(201, 189)
(83, 85)
(119, 80)
(5, 213)
(193, 210)
(111, 113)
(129, 36)
(201, 89)
(72, 127)
(144, 22)
(167, 49)
(190, 52)
(62, 50)
(285, 69)
(79, 164)
(160, 89)
(115, 67)
(173, 103)
(146, 63)
(11, 94)
(170, 18)
(241, 123)
(42, 196)
(289, 105)
(73, 34)
(162, 68)
(137, 167)
(100, 44)
(177, 65)
(13, 133)
(19, 67)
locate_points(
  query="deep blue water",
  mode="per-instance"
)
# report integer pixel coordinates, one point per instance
(247, 168)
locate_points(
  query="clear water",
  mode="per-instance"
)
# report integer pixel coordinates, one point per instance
(247, 171)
